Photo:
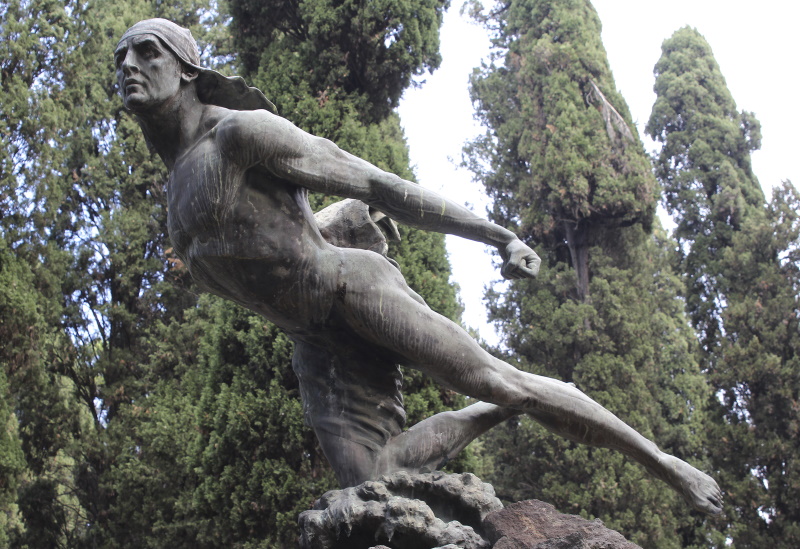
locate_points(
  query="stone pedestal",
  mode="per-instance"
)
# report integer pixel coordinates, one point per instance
(443, 511)
(402, 511)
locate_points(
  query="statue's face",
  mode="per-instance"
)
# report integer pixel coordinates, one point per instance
(148, 73)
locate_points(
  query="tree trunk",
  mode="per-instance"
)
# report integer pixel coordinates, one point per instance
(577, 241)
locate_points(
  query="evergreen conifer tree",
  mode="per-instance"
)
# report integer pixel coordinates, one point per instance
(567, 171)
(704, 167)
(739, 257)
(19, 325)
(35, 219)
(81, 213)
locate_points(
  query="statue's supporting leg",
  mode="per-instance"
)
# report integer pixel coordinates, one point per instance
(384, 314)
(352, 461)
(426, 446)
(353, 403)
(352, 400)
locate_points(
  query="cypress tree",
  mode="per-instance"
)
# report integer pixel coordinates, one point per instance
(82, 214)
(704, 168)
(756, 441)
(563, 131)
(367, 51)
(739, 256)
(37, 355)
(566, 171)
(18, 326)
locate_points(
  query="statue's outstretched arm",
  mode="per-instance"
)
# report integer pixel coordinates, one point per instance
(258, 139)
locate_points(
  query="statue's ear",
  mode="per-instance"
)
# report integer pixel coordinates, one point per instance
(188, 74)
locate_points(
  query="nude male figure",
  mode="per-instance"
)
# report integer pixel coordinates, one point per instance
(240, 220)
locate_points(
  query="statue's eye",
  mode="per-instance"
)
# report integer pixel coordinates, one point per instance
(149, 52)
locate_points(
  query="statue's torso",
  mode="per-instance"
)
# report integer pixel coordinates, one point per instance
(248, 236)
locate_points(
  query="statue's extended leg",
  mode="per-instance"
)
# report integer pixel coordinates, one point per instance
(431, 443)
(384, 314)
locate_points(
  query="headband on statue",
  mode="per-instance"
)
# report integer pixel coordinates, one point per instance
(231, 92)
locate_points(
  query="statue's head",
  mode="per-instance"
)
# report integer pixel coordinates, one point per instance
(155, 57)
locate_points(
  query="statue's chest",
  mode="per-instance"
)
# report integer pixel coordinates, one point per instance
(203, 191)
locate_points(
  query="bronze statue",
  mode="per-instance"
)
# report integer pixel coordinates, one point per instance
(239, 218)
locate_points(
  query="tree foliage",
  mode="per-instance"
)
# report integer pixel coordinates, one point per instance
(739, 256)
(367, 51)
(757, 376)
(704, 167)
(64, 208)
(604, 312)
(560, 134)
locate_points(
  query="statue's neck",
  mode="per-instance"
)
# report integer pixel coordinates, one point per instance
(173, 127)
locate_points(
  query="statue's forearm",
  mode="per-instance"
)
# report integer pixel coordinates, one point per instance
(417, 206)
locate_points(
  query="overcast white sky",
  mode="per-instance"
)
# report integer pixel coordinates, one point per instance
(755, 44)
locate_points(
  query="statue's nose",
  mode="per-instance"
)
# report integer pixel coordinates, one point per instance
(128, 64)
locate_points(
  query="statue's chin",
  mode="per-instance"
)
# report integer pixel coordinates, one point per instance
(136, 103)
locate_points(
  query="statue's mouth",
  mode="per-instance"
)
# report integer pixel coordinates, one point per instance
(131, 83)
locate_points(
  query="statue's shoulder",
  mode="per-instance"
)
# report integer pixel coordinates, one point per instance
(258, 137)
(241, 124)
(240, 135)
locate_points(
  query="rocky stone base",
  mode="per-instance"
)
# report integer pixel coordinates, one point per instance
(402, 511)
(534, 524)
(443, 511)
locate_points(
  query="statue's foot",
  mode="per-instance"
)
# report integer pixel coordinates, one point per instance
(697, 488)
